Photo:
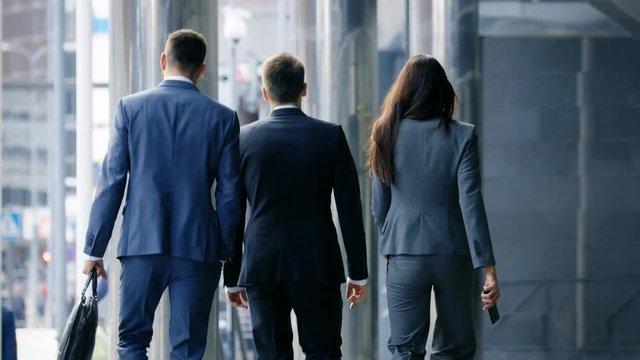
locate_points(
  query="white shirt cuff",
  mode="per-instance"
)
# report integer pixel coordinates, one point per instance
(92, 258)
(357, 282)
(233, 289)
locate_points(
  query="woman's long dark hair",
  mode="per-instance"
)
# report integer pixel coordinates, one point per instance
(421, 91)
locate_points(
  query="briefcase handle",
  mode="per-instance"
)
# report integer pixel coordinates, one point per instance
(93, 280)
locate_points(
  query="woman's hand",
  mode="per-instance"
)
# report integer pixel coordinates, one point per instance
(491, 291)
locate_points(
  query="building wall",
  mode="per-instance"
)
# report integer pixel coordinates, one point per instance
(25, 98)
(560, 142)
(27, 103)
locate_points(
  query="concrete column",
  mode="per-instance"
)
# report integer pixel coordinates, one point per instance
(58, 188)
(420, 27)
(84, 121)
(1, 242)
(138, 31)
(456, 43)
(337, 42)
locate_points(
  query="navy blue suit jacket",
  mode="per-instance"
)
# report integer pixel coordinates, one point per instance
(290, 165)
(172, 143)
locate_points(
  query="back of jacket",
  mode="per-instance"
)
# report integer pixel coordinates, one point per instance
(173, 142)
(290, 165)
(434, 205)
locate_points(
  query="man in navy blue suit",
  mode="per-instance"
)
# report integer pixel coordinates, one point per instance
(291, 164)
(170, 144)
(9, 346)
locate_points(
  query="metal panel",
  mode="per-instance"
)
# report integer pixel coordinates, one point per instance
(557, 18)
(624, 12)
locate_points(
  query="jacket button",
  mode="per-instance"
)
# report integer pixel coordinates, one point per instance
(477, 248)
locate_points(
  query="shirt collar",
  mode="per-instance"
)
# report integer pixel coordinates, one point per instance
(178, 78)
(285, 106)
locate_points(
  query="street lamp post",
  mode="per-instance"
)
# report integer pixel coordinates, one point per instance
(235, 29)
(32, 283)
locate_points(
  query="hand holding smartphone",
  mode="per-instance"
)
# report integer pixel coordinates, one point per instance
(494, 314)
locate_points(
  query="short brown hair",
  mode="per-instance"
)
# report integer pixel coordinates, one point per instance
(283, 76)
(186, 50)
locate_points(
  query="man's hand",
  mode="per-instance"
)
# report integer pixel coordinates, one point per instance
(98, 265)
(355, 294)
(491, 291)
(238, 298)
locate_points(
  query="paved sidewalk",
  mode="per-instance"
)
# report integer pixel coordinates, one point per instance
(37, 344)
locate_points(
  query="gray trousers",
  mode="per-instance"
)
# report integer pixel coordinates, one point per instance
(410, 279)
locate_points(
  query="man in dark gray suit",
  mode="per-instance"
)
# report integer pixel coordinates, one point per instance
(169, 146)
(291, 163)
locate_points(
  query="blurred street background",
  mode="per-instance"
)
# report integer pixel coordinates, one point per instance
(553, 86)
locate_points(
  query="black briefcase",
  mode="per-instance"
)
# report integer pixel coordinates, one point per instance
(79, 337)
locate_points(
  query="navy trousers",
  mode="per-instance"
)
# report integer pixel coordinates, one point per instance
(192, 286)
(410, 279)
(318, 309)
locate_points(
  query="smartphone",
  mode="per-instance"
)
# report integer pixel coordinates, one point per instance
(494, 314)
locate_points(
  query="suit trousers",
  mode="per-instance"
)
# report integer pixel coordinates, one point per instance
(192, 286)
(318, 309)
(410, 279)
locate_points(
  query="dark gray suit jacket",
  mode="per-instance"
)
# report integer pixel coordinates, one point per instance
(435, 204)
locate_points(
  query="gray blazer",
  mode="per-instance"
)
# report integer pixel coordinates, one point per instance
(435, 204)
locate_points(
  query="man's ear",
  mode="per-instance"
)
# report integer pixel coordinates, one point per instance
(200, 72)
(265, 94)
(163, 61)
(304, 90)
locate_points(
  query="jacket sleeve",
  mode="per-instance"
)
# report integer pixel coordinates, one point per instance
(380, 201)
(231, 268)
(228, 190)
(110, 187)
(346, 190)
(472, 204)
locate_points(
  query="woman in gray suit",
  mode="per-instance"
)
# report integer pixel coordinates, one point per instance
(429, 210)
